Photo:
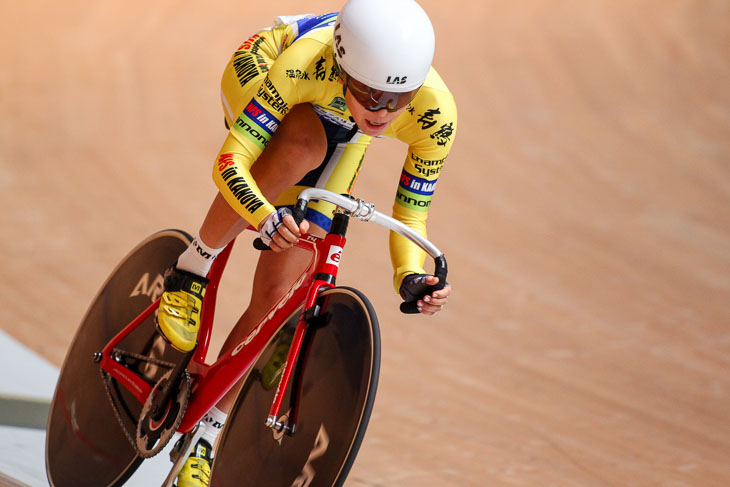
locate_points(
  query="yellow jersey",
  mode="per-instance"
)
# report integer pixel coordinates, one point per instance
(292, 63)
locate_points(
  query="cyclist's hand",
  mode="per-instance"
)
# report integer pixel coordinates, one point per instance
(279, 230)
(415, 287)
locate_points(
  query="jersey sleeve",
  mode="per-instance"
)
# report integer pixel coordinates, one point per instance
(429, 127)
(249, 136)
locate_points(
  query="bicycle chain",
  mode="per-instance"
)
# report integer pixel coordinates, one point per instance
(107, 385)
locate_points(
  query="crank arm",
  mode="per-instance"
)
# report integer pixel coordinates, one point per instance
(158, 407)
(189, 440)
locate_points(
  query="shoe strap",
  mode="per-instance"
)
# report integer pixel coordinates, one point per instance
(179, 280)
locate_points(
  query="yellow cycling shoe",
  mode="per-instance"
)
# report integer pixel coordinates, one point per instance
(178, 318)
(196, 471)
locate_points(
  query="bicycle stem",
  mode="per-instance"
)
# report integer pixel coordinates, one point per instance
(366, 212)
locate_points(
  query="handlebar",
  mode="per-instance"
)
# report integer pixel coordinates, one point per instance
(366, 212)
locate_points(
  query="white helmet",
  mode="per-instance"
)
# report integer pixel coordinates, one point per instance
(385, 44)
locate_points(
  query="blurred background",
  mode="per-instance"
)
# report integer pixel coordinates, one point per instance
(584, 211)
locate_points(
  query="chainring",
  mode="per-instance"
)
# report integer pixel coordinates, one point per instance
(153, 435)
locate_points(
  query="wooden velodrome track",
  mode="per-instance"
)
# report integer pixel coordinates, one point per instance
(585, 212)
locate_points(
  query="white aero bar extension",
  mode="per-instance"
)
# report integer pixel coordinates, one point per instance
(366, 212)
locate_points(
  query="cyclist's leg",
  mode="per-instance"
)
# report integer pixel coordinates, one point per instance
(274, 275)
(276, 272)
(298, 145)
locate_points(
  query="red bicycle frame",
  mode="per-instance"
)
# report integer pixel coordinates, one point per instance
(212, 381)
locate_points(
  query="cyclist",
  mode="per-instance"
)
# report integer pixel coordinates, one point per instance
(303, 99)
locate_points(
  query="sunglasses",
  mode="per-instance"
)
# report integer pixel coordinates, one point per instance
(374, 100)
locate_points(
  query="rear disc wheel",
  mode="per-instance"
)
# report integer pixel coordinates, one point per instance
(85, 444)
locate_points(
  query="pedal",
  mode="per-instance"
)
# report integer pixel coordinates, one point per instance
(180, 452)
(177, 448)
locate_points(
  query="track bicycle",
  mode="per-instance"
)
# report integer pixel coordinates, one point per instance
(310, 372)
